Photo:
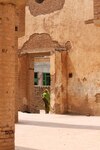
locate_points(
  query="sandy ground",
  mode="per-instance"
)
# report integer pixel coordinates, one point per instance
(57, 132)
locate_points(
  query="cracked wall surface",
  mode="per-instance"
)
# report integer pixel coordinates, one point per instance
(68, 24)
(45, 7)
(42, 42)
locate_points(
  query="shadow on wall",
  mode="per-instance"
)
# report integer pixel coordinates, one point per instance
(24, 148)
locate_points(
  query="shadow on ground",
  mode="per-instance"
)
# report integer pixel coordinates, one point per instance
(58, 125)
(24, 148)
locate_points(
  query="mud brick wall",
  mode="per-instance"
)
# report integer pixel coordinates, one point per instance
(68, 24)
(97, 9)
(22, 80)
(97, 12)
(7, 76)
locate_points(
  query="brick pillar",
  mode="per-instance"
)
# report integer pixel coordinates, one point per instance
(30, 82)
(7, 76)
(22, 82)
(58, 64)
(16, 88)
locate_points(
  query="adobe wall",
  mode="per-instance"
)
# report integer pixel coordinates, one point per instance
(97, 12)
(70, 23)
(8, 71)
(7, 78)
(38, 7)
(22, 83)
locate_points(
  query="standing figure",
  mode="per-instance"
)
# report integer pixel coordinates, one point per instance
(46, 99)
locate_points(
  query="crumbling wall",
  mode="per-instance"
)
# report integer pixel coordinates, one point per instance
(38, 7)
(69, 24)
(97, 12)
(39, 41)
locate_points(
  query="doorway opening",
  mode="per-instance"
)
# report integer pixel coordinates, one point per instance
(41, 82)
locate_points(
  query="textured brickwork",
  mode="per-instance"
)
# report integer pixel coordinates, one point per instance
(21, 20)
(8, 57)
(22, 82)
(46, 7)
(8, 71)
(97, 9)
(25, 82)
(97, 12)
(30, 81)
(39, 41)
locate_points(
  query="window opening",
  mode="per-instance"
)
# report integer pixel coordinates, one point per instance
(35, 78)
(46, 78)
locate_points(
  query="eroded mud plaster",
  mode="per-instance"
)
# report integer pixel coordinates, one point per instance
(74, 22)
(38, 7)
(97, 12)
(39, 41)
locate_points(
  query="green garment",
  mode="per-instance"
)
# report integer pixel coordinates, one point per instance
(46, 96)
(46, 99)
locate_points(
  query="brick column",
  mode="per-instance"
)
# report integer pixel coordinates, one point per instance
(30, 82)
(22, 82)
(7, 76)
(16, 70)
(58, 64)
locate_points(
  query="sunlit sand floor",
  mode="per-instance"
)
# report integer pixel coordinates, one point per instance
(57, 132)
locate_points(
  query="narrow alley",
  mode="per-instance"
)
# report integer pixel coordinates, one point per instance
(57, 132)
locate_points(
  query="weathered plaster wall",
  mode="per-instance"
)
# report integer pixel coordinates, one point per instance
(59, 81)
(20, 20)
(97, 12)
(38, 7)
(37, 41)
(22, 83)
(25, 83)
(68, 24)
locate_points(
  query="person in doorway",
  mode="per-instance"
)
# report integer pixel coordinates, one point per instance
(46, 99)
